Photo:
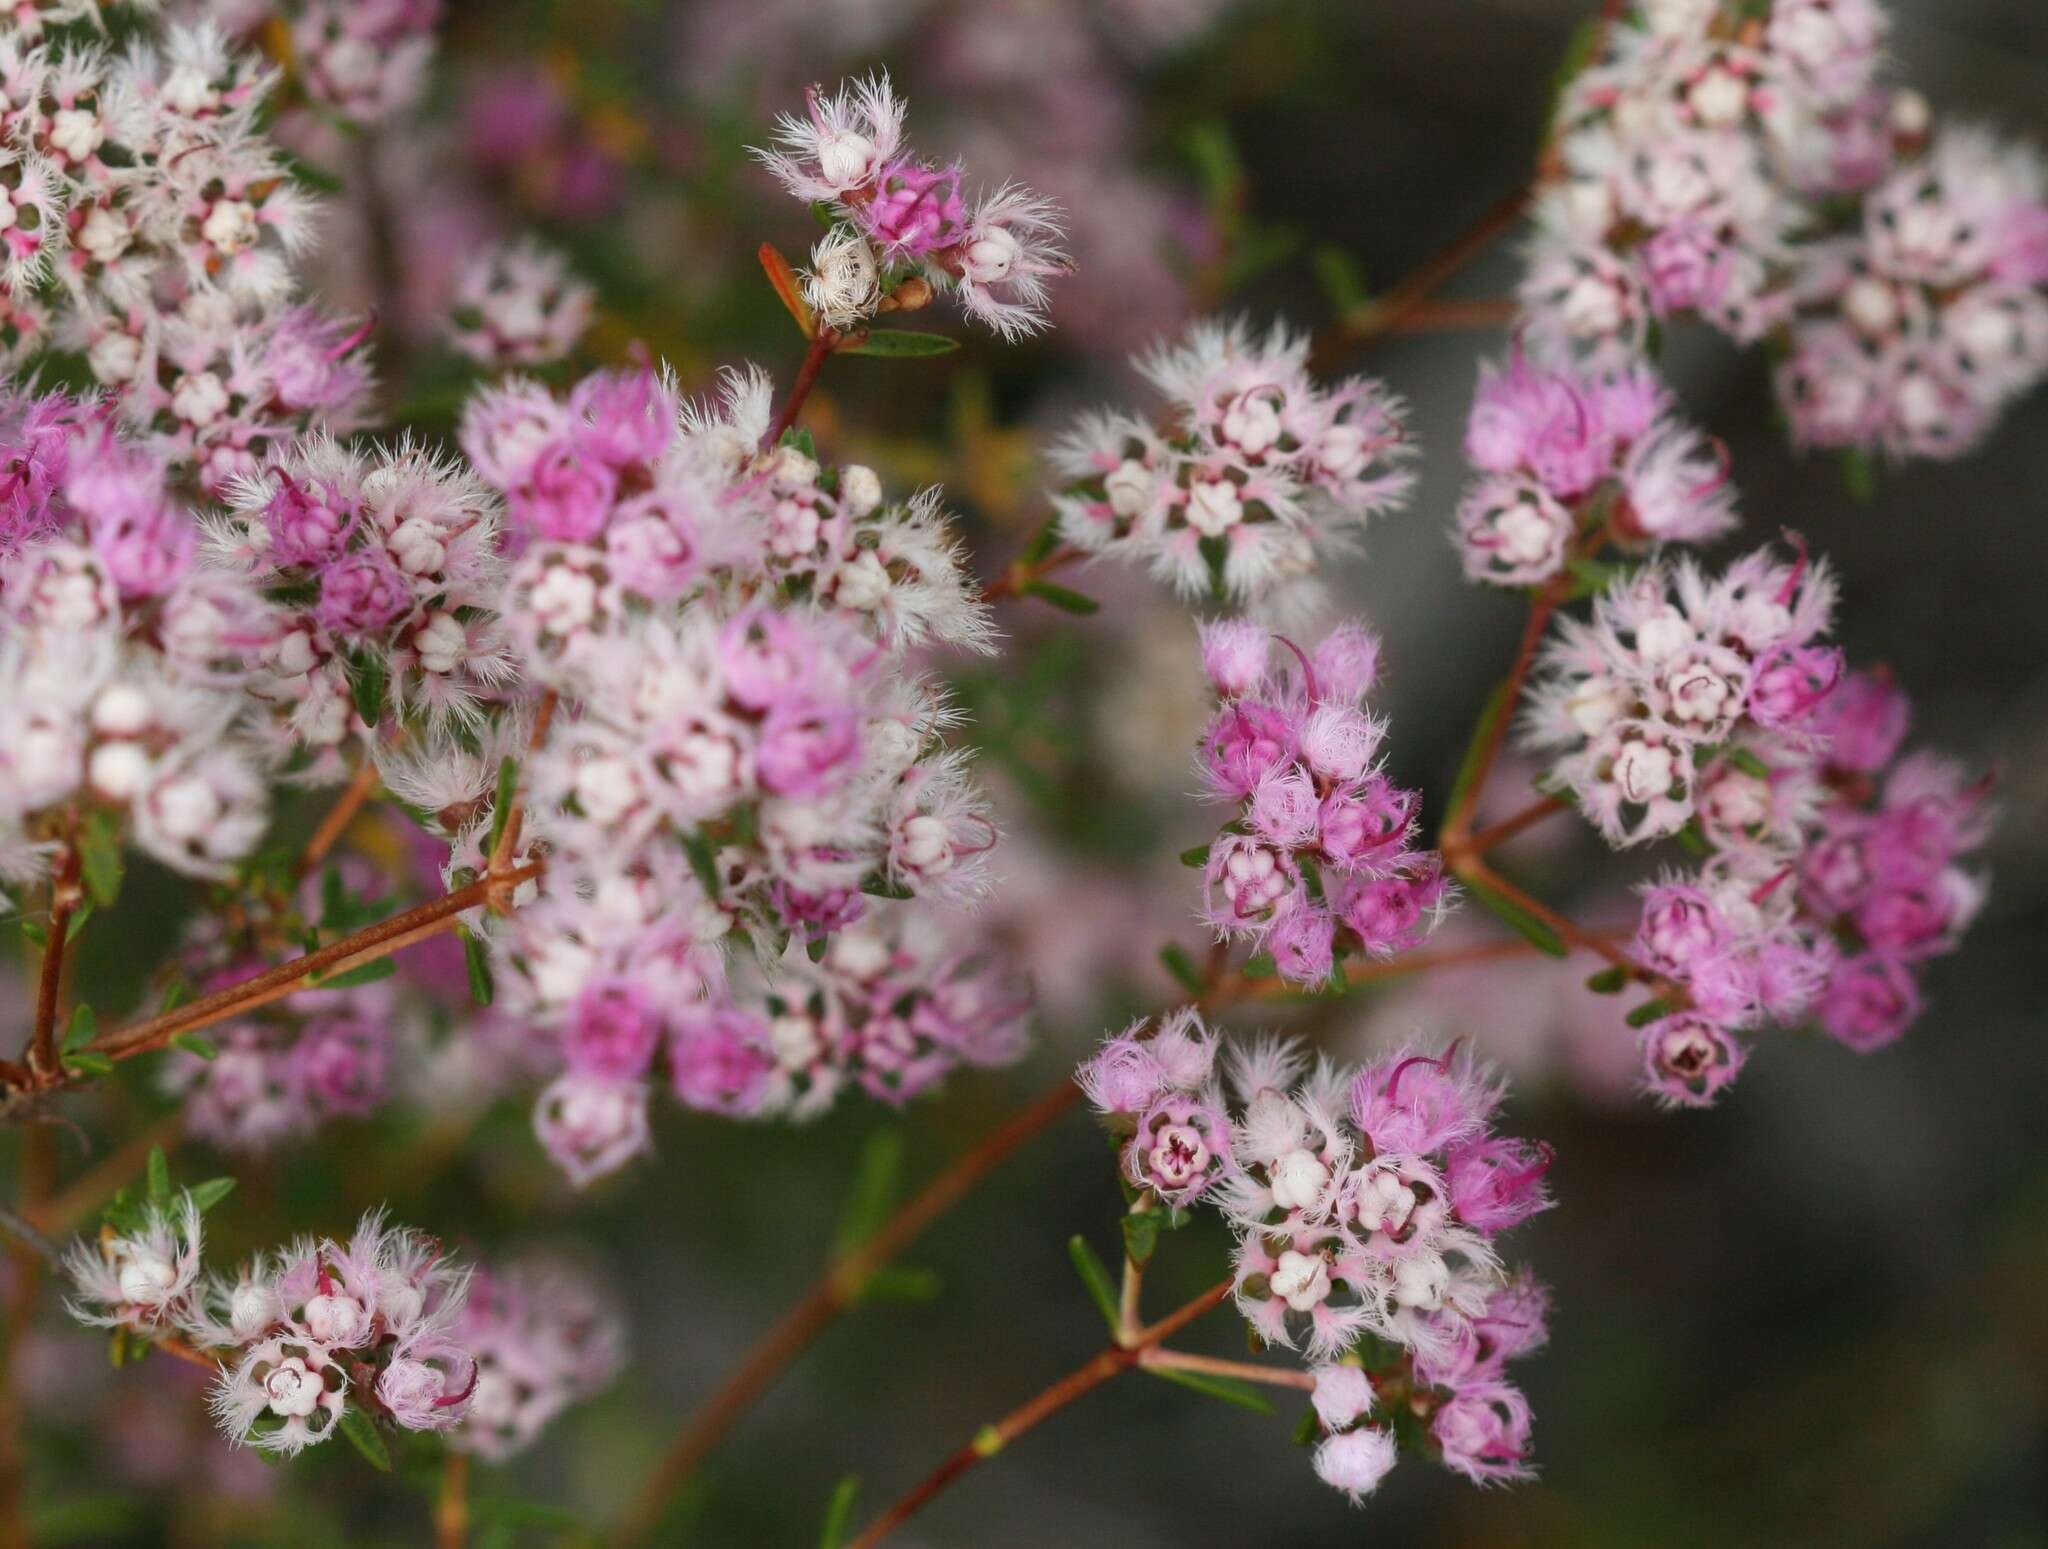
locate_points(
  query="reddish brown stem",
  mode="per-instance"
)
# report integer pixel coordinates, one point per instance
(1477, 871)
(1215, 1366)
(65, 898)
(352, 951)
(1456, 316)
(1022, 573)
(1390, 311)
(835, 1290)
(823, 343)
(1501, 832)
(451, 1506)
(992, 1439)
(361, 787)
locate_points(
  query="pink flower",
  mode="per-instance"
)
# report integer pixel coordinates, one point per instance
(591, 1126)
(1869, 1002)
(362, 593)
(613, 1032)
(1356, 1461)
(720, 1061)
(1687, 1060)
(1864, 719)
(1483, 1432)
(1181, 1147)
(1497, 1183)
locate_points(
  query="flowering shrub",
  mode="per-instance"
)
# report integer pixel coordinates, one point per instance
(547, 724)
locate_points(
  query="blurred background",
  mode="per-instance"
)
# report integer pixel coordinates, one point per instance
(1817, 1314)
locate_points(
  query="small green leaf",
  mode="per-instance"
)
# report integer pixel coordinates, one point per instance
(1044, 541)
(902, 1283)
(1341, 278)
(1694, 841)
(368, 678)
(363, 1435)
(1095, 1277)
(82, 1029)
(37, 933)
(1748, 763)
(902, 344)
(839, 1512)
(799, 437)
(1260, 965)
(87, 1064)
(988, 1441)
(1182, 967)
(210, 1193)
(193, 1043)
(482, 987)
(305, 174)
(1066, 599)
(873, 1191)
(1531, 929)
(1308, 1430)
(501, 805)
(1859, 475)
(158, 1172)
(99, 857)
(1216, 162)
(703, 859)
(1141, 1235)
(511, 1512)
(1649, 1011)
(1482, 738)
(1608, 981)
(1593, 575)
(1230, 1389)
(368, 973)
(77, 921)
(1195, 855)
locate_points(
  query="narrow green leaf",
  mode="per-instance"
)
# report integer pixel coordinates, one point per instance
(501, 805)
(1859, 475)
(82, 1029)
(1482, 738)
(1216, 162)
(99, 857)
(368, 973)
(1044, 541)
(511, 1512)
(703, 859)
(193, 1043)
(1341, 278)
(1649, 1011)
(873, 1191)
(77, 921)
(87, 1064)
(483, 989)
(1095, 1277)
(902, 1283)
(1260, 965)
(37, 933)
(210, 1193)
(1308, 1430)
(839, 1512)
(1532, 930)
(1141, 1235)
(1748, 763)
(1608, 981)
(1230, 1389)
(1196, 855)
(158, 1172)
(368, 678)
(902, 344)
(1694, 841)
(1062, 597)
(1182, 967)
(176, 993)
(362, 1433)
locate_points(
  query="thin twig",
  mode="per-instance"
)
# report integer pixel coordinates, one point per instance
(992, 1439)
(1215, 1366)
(361, 787)
(24, 1232)
(823, 343)
(451, 1506)
(1500, 833)
(1022, 573)
(65, 898)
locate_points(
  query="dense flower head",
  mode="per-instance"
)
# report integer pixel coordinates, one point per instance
(1366, 1203)
(544, 1336)
(1560, 447)
(366, 60)
(1834, 872)
(1672, 666)
(301, 1334)
(518, 305)
(899, 214)
(1321, 861)
(1256, 475)
(1917, 328)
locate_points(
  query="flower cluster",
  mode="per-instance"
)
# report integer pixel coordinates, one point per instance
(141, 183)
(1556, 448)
(1683, 153)
(381, 566)
(302, 1334)
(900, 214)
(1256, 474)
(1832, 876)
(1916, 329)
(1674, 678)
(365, 60)
(518, 305)
(544, 1337)
(123, 659)
(1321, 860)
(1366, 1205)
